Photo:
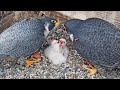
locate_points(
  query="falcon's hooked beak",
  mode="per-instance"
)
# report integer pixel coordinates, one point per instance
(55, 22)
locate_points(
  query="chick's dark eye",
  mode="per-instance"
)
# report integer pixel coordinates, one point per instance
(51, 38)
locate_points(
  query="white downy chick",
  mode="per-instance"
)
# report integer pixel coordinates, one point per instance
(64, 49)
(54, 54)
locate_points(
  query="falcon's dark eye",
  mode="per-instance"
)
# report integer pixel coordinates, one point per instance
(53, 21)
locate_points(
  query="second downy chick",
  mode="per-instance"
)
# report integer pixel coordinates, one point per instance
(57, 52)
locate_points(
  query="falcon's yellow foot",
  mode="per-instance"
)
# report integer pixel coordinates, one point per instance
(33, 58)
(29, 62)
(89, 67)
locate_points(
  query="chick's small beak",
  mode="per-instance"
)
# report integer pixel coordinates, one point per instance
(51, 39)
(60, 43)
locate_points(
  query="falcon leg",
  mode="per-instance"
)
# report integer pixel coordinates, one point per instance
(89, 67)
(92, 70)
(29, 62)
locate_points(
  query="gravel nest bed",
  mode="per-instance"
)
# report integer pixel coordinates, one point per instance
(46, 70)
(14, 68)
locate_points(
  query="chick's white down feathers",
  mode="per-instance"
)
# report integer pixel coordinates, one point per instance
(64, 49)
(56, 53)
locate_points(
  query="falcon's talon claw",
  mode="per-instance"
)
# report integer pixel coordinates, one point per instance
(92, 70)
(29, 62)
(34, 58)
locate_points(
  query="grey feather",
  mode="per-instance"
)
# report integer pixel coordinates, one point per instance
(24, 37)
(98, 41)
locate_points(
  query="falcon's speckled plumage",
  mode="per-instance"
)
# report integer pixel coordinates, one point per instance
(24, 37)
(96, 40)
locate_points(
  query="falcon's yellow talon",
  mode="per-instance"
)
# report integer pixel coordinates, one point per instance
(34, 58)
(30, 61)
(92, 70)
